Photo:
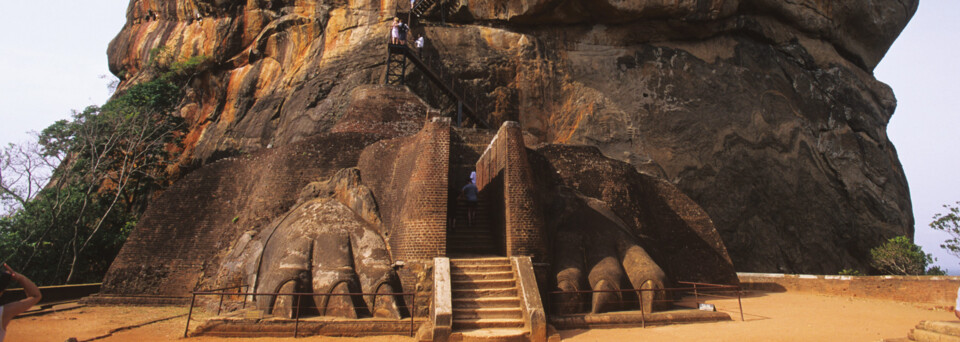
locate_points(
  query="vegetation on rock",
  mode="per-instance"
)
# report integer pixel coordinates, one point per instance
(66, 226)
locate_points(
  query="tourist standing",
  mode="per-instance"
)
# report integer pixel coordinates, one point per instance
(402, 29)
(471, 193)
(419, 42)
(10, 310)
(395, 31)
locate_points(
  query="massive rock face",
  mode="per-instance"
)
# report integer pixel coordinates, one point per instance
(764, 112)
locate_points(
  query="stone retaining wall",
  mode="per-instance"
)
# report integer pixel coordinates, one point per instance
(933, 290)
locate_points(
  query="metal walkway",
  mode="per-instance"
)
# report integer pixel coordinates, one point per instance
(397, 58)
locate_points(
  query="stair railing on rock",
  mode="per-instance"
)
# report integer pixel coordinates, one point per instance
(698, 290)
(431, 64)
(223, 292)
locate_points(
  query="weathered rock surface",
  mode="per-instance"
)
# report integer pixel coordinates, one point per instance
(764, 112)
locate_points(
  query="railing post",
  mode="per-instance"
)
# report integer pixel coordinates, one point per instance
(245, 289)
(696, 295)
(740, 303)
(413, 312)
(220, 305)
(189, 315)
(643, 315)
(296, 325)
(459, 114)
(386, 71)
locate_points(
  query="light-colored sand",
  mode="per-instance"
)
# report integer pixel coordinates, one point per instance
(785, 317)
(769, 317)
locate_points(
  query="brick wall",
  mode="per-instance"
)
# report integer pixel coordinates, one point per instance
(409, 177)
(423, 219)
(523, 224)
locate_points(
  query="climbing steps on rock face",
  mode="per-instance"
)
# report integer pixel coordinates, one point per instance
(421, 7)
(464, 238)
(486, 300)
(474, 238)
(932, 331)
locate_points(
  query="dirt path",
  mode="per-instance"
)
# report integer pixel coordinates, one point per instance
(769, 317)
(785, 317)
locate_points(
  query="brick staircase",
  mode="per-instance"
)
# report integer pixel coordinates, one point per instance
(486, 301)
(464, 238)
(930, 331)
(472, 240)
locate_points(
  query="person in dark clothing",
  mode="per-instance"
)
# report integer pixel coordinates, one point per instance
(470, 193)
(402, 30)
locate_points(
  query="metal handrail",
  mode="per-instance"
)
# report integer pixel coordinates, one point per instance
(696, 288)
(299, 295)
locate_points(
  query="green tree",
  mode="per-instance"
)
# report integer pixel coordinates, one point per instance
(900, 256)
(106, 162)
(949, 223)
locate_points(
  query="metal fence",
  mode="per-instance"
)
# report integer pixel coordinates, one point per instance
(299, 305)
(630, 299)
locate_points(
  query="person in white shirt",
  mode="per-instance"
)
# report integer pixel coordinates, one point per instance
(956, 306)
(419, 43)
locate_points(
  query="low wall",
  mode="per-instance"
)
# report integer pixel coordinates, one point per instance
(934, 290)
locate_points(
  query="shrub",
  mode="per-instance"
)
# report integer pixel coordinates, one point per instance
(900, 256)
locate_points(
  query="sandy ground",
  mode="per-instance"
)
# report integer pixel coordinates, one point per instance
(768, 317)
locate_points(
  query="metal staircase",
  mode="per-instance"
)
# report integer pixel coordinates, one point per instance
(435, 71)
(446, 8)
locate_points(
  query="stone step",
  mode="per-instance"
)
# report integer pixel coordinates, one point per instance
(482, 275)
(462, 228)
(480, 212)
(484, 283)
(471, 242)
(471, 232)
(474, 245)
(941, 327)
(462, 223)
(486, 292)
(474, 232)
(921, 335)
(477, 216)
(479, 268)
(480, 261)
(473, 323)
(488, 313)
(472, 251)
(491, 334)
(487, 302)
(468, 237)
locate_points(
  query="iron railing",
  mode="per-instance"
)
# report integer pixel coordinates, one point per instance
(298, 307)
(696, 289)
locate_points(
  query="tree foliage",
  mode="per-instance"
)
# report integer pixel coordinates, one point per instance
(949, 222)
(69, 225)
(900, 256)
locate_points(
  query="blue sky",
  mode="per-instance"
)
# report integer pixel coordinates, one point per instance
(923, 68)
(53, 63)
